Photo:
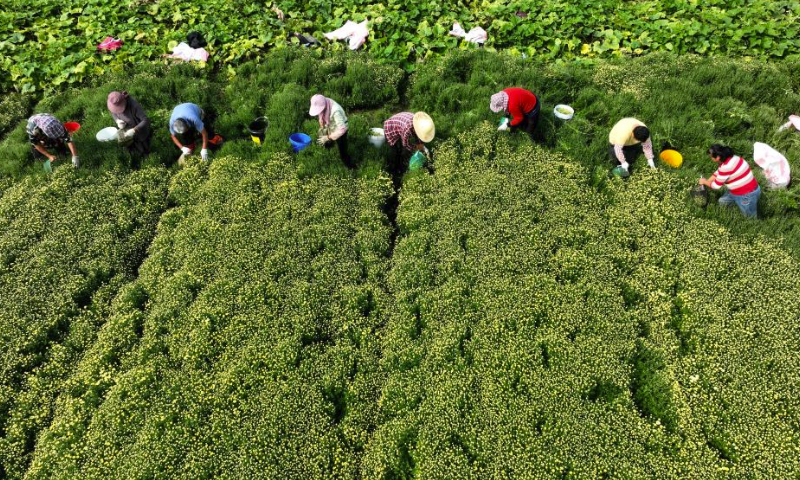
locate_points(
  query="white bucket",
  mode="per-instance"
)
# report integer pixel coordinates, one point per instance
(564, 112)
(108, 134)
(377, 140)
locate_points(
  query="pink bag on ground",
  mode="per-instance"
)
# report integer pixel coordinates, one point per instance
(109, 43)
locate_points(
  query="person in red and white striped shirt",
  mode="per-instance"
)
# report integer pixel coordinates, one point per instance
(734, 173)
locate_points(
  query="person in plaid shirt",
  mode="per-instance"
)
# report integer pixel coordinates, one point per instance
(410, 132)
(45, 133)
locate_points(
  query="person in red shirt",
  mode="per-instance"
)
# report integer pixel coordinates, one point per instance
(734, 174)
(521, 105)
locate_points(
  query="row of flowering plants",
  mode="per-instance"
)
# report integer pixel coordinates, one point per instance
(66, 246)
(247, 346)
(544, 327)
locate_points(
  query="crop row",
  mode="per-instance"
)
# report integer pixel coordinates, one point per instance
(247, 346)
(66, 246)
(545, 330)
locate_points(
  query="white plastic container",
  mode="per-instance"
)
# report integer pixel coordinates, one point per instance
(377, 140)
(108, 134)
(569, 112)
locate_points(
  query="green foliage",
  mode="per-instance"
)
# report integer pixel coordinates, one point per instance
(538, 324)
(66, 247)
(526, 317)
(246, 346)
(48, 43)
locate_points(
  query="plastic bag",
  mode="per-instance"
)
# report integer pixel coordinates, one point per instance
(188, 54)
(475, 35)
(357, 33)
(417, 161)
(109, 43)
(776, 167)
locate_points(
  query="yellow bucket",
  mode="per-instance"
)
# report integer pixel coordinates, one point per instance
(672, 158)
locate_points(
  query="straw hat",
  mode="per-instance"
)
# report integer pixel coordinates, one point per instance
(424, 127)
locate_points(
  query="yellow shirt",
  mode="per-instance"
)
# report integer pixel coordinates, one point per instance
(622, 133)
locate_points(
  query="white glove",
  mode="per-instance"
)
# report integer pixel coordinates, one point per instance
(129, 133)
(503, 127)
(323, 140)
(650, 162)
(75, 162)
(625, 166)
(121, 124)
(186, 151)
(204, 154)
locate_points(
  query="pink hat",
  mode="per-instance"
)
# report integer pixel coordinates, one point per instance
(317, 105)
(117, 101)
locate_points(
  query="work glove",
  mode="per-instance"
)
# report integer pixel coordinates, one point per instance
(652, 165)
(75, 162)
(129, 133)
(186, 151)
(121, 124)
(625, 166)
(323, 140)
(503, 124)
(204, 154)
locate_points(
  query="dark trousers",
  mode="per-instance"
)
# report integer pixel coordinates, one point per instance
(140, 146)
(530, 121)
(341, 142)
(192, 138)
(631, 153)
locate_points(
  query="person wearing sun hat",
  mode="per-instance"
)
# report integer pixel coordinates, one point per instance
(134, 126)
(521, 105)
(410, 132)
(332, 125)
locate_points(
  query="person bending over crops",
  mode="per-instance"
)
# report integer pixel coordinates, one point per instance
(133, 124)
(186, 125)
(47, 134)
(332, 125)
(628, 139)
(734, 173)
(521, 105)
(408, 133)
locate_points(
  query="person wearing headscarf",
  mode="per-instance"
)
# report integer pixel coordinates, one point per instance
(46, 133)
(134, 126)
(521, 105)
(332, 125)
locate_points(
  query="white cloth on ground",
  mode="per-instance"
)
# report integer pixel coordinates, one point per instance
(186, 53)
(475, 35)
(356, 33)
(776, 167)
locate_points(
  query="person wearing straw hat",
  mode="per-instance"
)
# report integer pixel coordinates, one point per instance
(332, 125)
(410, 132)
(134, 126)
(186, 123)
(521, 105)
(45, 133)
(627, 140)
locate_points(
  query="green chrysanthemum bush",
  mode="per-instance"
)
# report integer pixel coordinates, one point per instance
(66, 247)
(543, 329)
(247, 346)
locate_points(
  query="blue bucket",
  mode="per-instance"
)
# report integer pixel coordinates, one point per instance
(299, 141)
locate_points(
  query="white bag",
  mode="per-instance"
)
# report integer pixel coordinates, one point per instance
(475, 35)
(775, 165)
(357, 33)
